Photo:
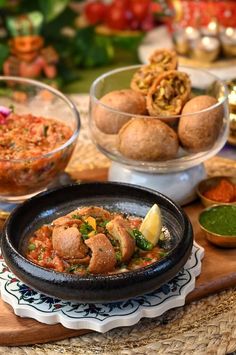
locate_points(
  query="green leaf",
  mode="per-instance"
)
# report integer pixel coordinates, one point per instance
(52, 8)
(4, 51)
(2, 3)
(91, 50)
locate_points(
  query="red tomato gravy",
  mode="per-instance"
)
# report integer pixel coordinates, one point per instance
(26, 136)
(24, 142)
(92, 240)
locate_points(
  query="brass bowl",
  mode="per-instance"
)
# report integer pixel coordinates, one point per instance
(208, 183)
(224, 241)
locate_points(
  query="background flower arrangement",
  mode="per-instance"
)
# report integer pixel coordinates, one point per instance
(85, 34)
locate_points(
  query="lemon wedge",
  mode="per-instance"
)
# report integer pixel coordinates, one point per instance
(151, 226)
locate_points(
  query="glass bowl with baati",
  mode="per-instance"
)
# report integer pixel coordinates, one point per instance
(158, 123)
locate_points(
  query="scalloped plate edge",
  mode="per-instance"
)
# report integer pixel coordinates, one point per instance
(116, 321)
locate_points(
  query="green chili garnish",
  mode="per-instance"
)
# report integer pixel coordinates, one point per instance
(141, 242)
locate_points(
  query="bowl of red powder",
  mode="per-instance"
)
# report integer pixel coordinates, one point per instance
(217, 190)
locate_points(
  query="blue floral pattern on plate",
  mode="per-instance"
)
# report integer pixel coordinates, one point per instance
(99, 317)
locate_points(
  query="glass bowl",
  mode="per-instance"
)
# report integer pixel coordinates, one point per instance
(202, 83)
(24, 175)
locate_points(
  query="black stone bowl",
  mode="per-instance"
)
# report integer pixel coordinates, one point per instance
(126, 198)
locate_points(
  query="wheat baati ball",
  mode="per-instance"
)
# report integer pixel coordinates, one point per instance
(111, 117)
(147, 139)
(198, 132)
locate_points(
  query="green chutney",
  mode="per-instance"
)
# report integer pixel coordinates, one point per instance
(220, 219)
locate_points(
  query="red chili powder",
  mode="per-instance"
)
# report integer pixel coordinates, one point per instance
(224, 191)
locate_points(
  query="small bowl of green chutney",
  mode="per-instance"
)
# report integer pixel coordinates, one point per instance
(218, 223)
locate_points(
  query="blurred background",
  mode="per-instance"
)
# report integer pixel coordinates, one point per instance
(78, 40)
(75, 36)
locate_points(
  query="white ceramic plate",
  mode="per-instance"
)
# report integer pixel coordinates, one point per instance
(99, 317)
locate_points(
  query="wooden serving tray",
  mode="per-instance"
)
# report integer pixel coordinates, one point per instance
(218, 273)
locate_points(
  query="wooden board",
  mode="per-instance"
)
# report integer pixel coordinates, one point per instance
(218, 273)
